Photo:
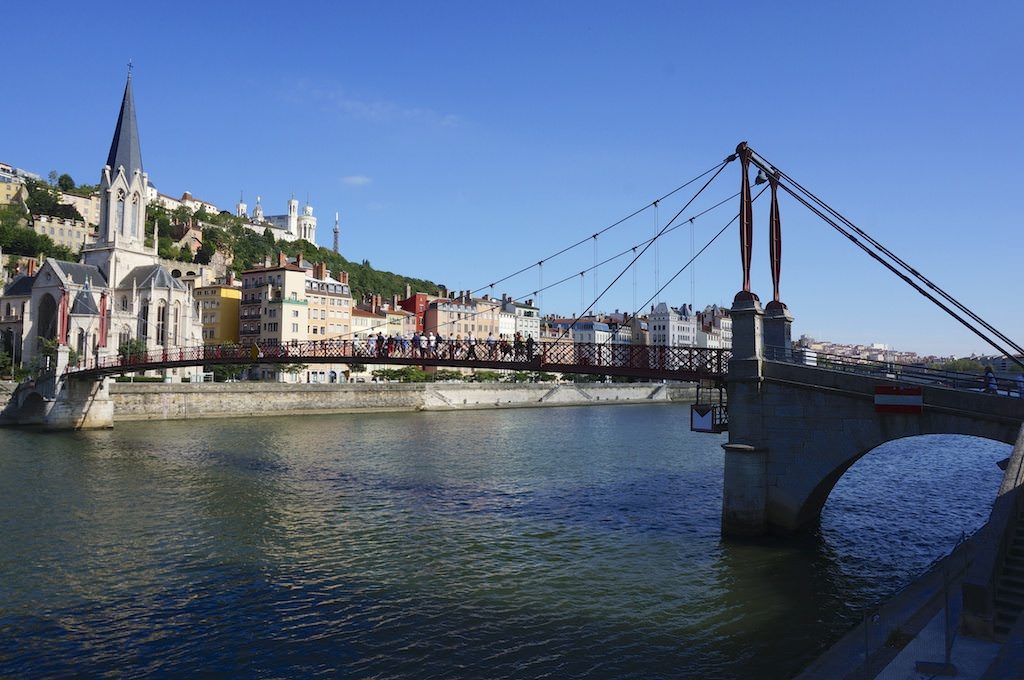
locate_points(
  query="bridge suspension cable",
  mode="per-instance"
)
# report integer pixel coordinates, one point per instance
(693, 257)
(539, 291)
(888, 259)
(540, 263)
(661, 233)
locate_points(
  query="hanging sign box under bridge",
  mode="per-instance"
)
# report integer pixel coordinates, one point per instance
(709, 418)
(899, 399)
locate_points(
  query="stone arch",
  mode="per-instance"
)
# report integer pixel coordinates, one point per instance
(33, 409)
(810, 512)
(46, 318)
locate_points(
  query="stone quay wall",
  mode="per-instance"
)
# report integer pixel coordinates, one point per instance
(176, 401)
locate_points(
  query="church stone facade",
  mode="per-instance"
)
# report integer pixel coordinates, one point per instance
(119, 291)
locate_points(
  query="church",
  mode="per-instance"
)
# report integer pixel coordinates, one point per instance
(118, 291)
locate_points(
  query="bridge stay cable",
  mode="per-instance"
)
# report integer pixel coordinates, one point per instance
(766, 165)
(692, 259)
(540, 263)
(657, 236)
(905, 277)
(633, 249)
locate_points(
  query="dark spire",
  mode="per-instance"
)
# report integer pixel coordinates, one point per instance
(124, 149)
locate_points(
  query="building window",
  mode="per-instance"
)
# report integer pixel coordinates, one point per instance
(144, 322)
(161, 323)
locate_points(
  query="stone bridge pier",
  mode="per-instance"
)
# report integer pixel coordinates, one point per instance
(795, 429)
(55, 402)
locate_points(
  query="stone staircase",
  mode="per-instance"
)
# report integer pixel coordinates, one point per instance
(1009, 599)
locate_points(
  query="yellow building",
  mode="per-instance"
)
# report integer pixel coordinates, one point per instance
(87, 206)
(12, 191)
(65, 232)
(219, 306)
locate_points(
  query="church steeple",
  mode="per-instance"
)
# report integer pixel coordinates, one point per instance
(124, 149)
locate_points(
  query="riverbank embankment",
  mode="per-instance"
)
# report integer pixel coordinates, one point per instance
(176, 401)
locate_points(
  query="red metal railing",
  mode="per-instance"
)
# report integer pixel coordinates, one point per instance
(563, 357)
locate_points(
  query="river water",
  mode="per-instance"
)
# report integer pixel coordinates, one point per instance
(558, 542)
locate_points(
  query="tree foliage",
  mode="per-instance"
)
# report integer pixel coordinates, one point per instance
(44, 199)
(16, 238)
(132, 349)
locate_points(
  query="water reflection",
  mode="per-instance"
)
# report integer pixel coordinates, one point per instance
(571, 541)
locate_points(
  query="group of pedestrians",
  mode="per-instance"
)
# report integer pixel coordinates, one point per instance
(992, 385)
(437, 346)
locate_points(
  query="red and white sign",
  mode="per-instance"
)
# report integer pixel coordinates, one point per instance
(899, 399)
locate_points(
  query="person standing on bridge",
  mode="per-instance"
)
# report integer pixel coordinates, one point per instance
(470, 345)
(529, 347)
(991, 386)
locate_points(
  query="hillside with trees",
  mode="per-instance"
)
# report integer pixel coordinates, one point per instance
(222, 232)
(225, 232)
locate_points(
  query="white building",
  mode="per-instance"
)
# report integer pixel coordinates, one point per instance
(672, 326)
(527, 316)
(288, 227)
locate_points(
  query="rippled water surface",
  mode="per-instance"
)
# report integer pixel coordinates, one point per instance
(568, 542)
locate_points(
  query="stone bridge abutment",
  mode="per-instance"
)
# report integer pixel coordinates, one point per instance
(795, 429)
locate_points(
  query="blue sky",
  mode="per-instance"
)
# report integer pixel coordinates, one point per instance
(461, 141)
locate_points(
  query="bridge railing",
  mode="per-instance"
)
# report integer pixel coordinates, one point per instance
(561, 356)
(909, 373)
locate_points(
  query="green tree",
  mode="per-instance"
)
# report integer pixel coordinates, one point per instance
(294, 369)
(182, 215)
(962, 366)
(65, 183)
(225, 372)
(133, 349)
(205, 253)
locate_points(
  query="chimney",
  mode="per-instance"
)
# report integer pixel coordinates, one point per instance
(230, 280)
(281, 259)
(298, 259)
(408, 291)
(318, 270)
(31, 267)
(394, 300)
(343, 277)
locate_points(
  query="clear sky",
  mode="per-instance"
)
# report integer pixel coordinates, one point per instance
(461, 141)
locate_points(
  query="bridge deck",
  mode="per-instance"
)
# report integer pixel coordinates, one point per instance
(640, 361)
